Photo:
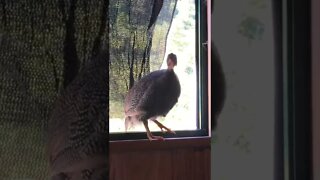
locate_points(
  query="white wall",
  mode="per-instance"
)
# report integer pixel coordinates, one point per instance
(242, 146)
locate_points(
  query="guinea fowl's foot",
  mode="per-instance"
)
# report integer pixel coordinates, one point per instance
(149, 134)
(161, 126)
(157, 138)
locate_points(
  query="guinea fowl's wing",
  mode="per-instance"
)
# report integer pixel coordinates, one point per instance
(78, 127)
(139, 95)
(173, 92)
(165, 94)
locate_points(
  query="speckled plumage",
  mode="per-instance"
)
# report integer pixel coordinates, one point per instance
(154, 95)
(78, 127)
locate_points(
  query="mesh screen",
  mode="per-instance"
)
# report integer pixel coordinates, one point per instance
(43, 47)
(47, 57)
(137, 43)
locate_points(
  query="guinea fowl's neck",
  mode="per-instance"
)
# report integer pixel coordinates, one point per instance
(170, 68)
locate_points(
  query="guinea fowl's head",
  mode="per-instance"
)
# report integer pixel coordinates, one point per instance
(171, 61)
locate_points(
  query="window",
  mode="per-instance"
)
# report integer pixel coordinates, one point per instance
(178, 29)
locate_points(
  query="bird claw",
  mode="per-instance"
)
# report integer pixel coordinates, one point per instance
(156, 138)
(167, 130)
(163, 128)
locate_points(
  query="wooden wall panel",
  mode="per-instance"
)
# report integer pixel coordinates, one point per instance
(169, 160)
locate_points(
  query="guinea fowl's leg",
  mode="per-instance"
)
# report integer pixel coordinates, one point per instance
(149, 134)
(161, 126)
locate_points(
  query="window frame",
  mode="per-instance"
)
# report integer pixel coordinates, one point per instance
(203, 121)
(315, 34)
(293, 140)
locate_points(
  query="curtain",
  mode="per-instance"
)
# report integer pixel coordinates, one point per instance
(44, 47)
(138, 33)
(53, 56)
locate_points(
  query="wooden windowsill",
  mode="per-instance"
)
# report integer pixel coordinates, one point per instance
(171, 143)
(179, 158)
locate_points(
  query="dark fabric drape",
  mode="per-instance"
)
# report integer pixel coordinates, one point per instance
(44, 45)
(137, 29)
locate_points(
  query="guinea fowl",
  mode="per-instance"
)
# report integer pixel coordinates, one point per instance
(78, 127)
(152, 96)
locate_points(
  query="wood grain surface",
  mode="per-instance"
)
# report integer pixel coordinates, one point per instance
(174, 159)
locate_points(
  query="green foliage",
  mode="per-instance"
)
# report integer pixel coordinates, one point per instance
(128, 40)
(187, 24)
(189, 70)
(133, 48)
(116, 109)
